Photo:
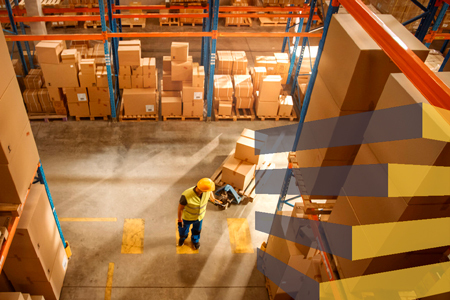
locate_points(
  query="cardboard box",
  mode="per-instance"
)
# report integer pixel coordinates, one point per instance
(225, 108)
(238, 79)
(55, 94)
(224, 61)
(270, 88)
(60, 107)
(169, 85)
(249, 145)
(16, 177)
(76, 94)
(98, 94)
(138, 69)
(37, 298)
(124, 70)
(271, 66)
(125, 82)
(31, 99)
(48, 52)
(129, 55)
(266, 109)
(286, 106)
(137, 81)
(238, 173)
(149, 66)
(283, 67)
(33, 81)
(193, 108)
(78, 109)
(11, 296)
(61, 75)
(87, 79)
(140, 101)
(198, 75)
(364, 67)
(101, 77)
(223, 86)
(27, 296)
(99, 108)
(243, 90)
(167, 64)
(69, 56)
(151, 81)
(258, 74)
(179, 52)
(87, 66)
(13, 119)
(7, 68)
(171, 106)
(130, 43)
(192, 93)
(240, 62)
(45, 101)
(244, 103)
(182, 70)
(36, 240)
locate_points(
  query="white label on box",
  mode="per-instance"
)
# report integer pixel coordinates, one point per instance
(82, 97)
(149, 108)
(64, 262)
(136, 19)
(198, 95)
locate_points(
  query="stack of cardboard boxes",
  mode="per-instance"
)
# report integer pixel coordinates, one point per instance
(223, 94)
(19, 296)
(239, 170)
(243, 91)
(77, 73)
(275, 65)
(238, 20)
(231, 63)
(185, 82)
(37, 260)
(37, 99)
(268, 97)
(138, 79)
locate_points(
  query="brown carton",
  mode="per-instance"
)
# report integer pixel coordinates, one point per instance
(100, 108)
(101, 77)
(167, 64)
(179, 52)
(249, 145)
(223, 86)
(48, 52)
(149, 66)
(182, 70)
(87, 79)
(60, 75)
(238, 79)
(266, 109)
(225, 108)
(98, 94)
(55, 94)
(171, 106)
(129, 55)
(5, 61)
(258, 74)
(60, 107)
(76, 95)
(140, 101)
(193, 108)
(15, 176)
(88, 66)
(78, 109)
(286, 105)
(11, 296)
(69, 56)
(13, 119)
(198, 75)
(242, 103)
(138, 69)
(243, 89)
(45, 101)
(130, 43)
(124, 70)
(238, 173)
(225, 61)
(169, 85)
(192, 93)
(270, 88)
(125, 82)
(137, 81)
(31, 99)
(33, 81)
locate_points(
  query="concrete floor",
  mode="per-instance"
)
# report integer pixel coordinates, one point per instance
(138, 170)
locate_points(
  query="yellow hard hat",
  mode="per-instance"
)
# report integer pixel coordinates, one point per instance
(206, 185)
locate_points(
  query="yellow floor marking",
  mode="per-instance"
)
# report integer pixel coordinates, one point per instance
(187, 246)
(88, 219)
(109, 281)
(240, 239)
(133, 236)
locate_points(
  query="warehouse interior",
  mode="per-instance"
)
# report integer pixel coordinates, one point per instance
(320, 128)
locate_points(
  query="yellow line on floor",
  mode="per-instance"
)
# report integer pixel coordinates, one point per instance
(187, 246)
(133, 236)
(240, 239)
(109, 281)
(88, 219)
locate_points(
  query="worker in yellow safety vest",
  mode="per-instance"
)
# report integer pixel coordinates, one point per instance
(192, 209)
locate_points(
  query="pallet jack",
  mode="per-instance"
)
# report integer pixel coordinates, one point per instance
(227, 194)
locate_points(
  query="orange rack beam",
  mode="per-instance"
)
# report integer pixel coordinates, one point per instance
(155, 7)
(12, 229)
(431, 87)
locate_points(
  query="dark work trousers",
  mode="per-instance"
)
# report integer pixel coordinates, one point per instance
(195, 232)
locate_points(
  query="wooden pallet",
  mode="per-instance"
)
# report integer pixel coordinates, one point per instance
(218, 117)
(192, 24)
(92, 25)
(170, 22)
(92, 118)
(46, 117)
(269, 22)
(183, 118)
(292, 117)
(127, 22)
(247, 23)
(63, 26)
(249, 191)
(245, 114)
(135, 118)
(142, 25)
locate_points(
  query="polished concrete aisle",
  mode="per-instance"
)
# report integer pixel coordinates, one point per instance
(116, 171)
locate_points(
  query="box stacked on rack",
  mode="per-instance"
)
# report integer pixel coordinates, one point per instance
(269, 62)
(224, 64)
(243, 91)
(257, 75)
(223, 94)
(240, 63)
(285, 106)
(139, 79)
(267, 99)
(282, 67)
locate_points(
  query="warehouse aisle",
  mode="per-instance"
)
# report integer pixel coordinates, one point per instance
(118, 171)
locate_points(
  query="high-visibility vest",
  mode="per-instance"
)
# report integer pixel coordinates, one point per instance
(196, 207)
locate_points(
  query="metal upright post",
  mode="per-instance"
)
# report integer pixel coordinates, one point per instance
(14, 28)
(439, 19)
(205, 28)
(305, 39)
(287, 178)
(114, 45)
(425, 24)
(101, 6)
(212, 62)
(293, 55)
(27, 46)
(119, 22)
(286, 39)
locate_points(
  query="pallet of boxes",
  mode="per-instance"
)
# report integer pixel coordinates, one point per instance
(138, 77)
(238, 169)
(37, 262)
(182, 85)
(74, 83)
